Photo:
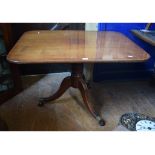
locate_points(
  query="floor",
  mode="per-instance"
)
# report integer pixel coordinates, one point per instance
(111, 100)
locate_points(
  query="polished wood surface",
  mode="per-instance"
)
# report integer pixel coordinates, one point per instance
(148, 37)
(75, 47)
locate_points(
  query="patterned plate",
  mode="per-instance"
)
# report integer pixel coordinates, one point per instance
(137, 121)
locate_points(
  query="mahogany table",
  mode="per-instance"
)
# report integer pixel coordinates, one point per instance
(75, 48)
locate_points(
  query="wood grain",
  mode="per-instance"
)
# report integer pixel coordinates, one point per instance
(75, 47)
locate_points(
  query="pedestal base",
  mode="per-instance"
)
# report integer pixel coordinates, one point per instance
(75, 81)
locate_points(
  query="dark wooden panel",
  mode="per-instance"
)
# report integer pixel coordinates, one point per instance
(6, 30)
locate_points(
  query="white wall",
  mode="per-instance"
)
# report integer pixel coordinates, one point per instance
(91, 26)
(88, 68)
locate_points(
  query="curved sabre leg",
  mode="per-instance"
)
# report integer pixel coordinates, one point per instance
(66, 83)
(84, 92)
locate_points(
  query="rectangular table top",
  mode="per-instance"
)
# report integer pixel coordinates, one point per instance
(75, 47)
